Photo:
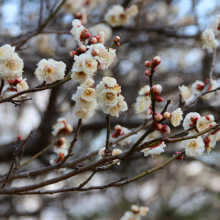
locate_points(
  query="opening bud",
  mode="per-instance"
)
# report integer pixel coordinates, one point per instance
(156, 61)
(82, 48)
(147, 63)
(135, 209)
(73, 53)
(118, 128)
(158, 116)
(117, 39)
(156, 89)
(19, 137)
(166, 115)
(95, 52)
(147, 73)
(165, 129)
(158, 126)
(87, 35)
(93, 40)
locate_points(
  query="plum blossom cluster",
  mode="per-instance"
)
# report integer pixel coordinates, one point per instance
(117, 15)
(136, 213)
(109, 97)
(11, 68)
(208, 35)
(61, 128)
(196, 89)
(198, 123)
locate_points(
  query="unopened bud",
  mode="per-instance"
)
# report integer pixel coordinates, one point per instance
(158, 99)
(19, 137)
(82, 48)
(156, 89)
(147, 73)
(117, 39)
(147, 63)
(156, 61)
(166, 115)
(158, 116)
(165, 129)
(17, 81)
(95, 52)
(135, 209)
(117, 44)
(180, 157)
(87, 35)
(93, 40)
(115, 135)
(158, 126)
(73, 53)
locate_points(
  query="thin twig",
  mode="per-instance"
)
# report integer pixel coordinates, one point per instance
(108, 132)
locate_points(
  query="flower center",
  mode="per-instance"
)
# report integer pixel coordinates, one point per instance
(48, 70)
(10, 64)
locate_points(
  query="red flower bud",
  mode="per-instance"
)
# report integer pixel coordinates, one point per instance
(180, 157)
(165, 129)
(147, 63)
(147, 73)
(156, 61)
(158, 116)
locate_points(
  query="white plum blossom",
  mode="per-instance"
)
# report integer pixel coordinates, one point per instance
(215, 24)
(108, 97)
(136, 213)
(190, 120)
(142, 107)
(88, 83)
(127, 140)
(89, 64)
(109, 81)
(185, 93)
(197, 87)
(204, 122)
(210, 143)
(96, 29)
(77, 31)
(61, 126)
(176, 117)
(115, 152)
(132, 10)
(209, 41)
(10, 67)
(50, 70)
(194, 147)
(60, 146)
(101, 152)
(155, 150)
(212, 87)
(144, 90)
(6, 51)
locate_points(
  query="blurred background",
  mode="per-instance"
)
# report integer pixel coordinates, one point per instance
(187, 189)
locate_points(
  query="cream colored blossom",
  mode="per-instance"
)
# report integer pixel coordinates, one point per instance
(6, 51)
(176, 117)
(197, 87)
(204, 122)
(88, 94)
(185, 93)
(89, 64)
(132, 10)
(209, 41)
(215, 24)
(144, 90)
(61, 126)
(194, 147)
(101, 152)
(155, 150)
(109, 81)
(77, 31)
(190, 120)
(11, 67)
(50, 70)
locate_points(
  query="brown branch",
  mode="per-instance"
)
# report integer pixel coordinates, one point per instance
(108, 132)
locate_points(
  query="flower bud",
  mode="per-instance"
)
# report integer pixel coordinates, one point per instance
(147, 63)
(166, 115)
(180, 157)
(73, 53)
(156, 61)
(165, 129)
(82, 48)
(135, 209)
(158, 116)
(87, 35)
(17, 81)
(118, 128)
(78, 15)
(158, 126)
(115, 135)
(95, 52)
(147, 73)
(93, 40)
(117, 39)
(156, 89)
(19, 137)
(158, 99)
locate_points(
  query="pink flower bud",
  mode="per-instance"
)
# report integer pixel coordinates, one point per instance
(95, 52)
(82, 48)
(147, 73)
(158, 126)
(156, 61)
(19, 137)
(87, 35)
(118, 128)
(158, 116)
(73, 53)
(115, 135)
(11, 81)
(117, 39)
(156, 89)
(117, 44)
(17, 81)
(165, 129)
(147, 63)
(166, 115)
(93, 40)
(158, 99)
(180, 157)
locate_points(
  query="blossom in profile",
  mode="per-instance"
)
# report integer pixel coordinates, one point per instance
(176, 117)
(204, 122)
(197, 87)
(190, 120)
(209, 41)
(142, 107)
(185, 93)
(155, 150)
(194, 147)
(50, 70)
(215, 24)
(61, 127)
(214, 85)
